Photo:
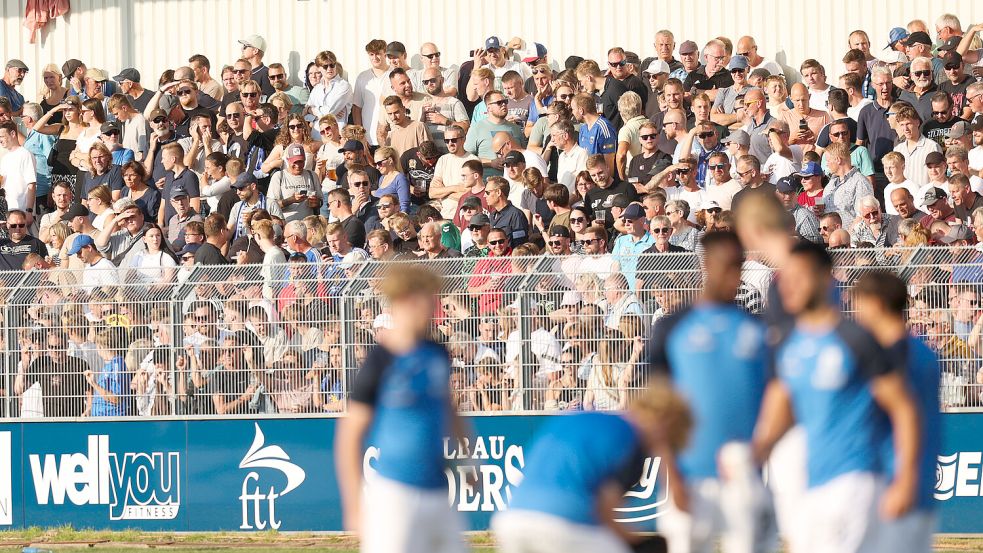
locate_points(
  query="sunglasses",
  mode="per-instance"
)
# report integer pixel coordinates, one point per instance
(920, 73)
(540, 71)
(188, 258)
(430, 81)
(184, 92)
(111, 133)
(621, 63)
(564, 97)
(952, 66)
(714, 210)
(431, 56)
(825, 228)
(588, 241)
(13, 225)
(737, 71)
(662, 230)
(381, 162)
(939, 113)
(555, 243)
(249, 94)
(683, 171)
(498, 103)
(358, 183)
(233, 115)
(295, 127)
(496, 242)
(455, 139)
(240, 71)
(475, 227)
(717, 167)
(384, 206)
(647, 136)
(843, 134)
(276, 77)
(578, 219)
(705, 135)
(160, 120)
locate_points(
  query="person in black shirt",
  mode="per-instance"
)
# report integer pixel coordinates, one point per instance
(340, 207)
(260, 139)
(618, 81)
(60, 376)
(714, 75)
(216, 238)
(606, 187)
(418, 165)
(640, 168)
(15, 248)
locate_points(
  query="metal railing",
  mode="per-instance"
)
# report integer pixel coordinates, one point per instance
(525, 334)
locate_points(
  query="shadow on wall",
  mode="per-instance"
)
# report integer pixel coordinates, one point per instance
(792, 75)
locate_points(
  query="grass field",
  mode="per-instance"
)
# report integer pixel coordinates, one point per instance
(69, 539)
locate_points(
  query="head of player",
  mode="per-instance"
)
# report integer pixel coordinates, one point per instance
(880, 299)
(723, 260)
(412, 295)
(805, 283)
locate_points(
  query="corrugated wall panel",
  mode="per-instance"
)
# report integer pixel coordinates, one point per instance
(153, 35)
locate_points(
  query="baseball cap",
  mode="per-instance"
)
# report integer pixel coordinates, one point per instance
(934, 158)
(77, 210)
(759, 73)
(950, 44)
(109, 126)
(179, 192)
(81, 241)
(559, 230)
(787, 185)
(688, 47)
(167, 103)
(255, 41)
(295, 152)
(395, 48)
(128, 74)
(933, 195)
(657, 67)
(244, 180)
(96, 74)
(712, 204)
(536, 52)
(918, 37)
(188, 248)
(572, 62)
(353, 258)
(479, 220)
(514, 157)
(952, 58)
(472, 202)
(17, 64)
(957, 232)
(492, 42)
(351, 146)
(157, 113)
(960, 129)
(810, 169)
(737, 62)
(620, 201)
(739, 137)
(896, 34)
(632, 58)
(632, 212)
(70, 67)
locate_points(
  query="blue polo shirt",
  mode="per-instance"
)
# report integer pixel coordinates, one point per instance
(873, 128)
(8, 92)
(602, 138)
(626, 251)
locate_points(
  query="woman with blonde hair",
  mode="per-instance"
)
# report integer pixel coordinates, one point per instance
(283, 105)
(94, 115)
(68, 127)
(51, 93)
(328, 156)
(295, 131)
(393, 181)
(100, 203)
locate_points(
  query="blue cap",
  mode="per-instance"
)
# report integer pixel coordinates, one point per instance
(896, 34)
(492, 42)
(80, 242)
(633, 211)
(810, 169)
(787, 185)
(737, 62)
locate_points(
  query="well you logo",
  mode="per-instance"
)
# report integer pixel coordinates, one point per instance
(645, 500)
(259, 495)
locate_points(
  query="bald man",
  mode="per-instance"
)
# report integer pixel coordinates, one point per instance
(804, 135)
(748, 48)
(758, 116)
(503, 143)
(430, 57)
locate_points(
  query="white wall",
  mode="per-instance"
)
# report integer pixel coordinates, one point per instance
(153, 35)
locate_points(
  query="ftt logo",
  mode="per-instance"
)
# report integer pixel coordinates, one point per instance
(260, 455)
(136, 486)
(645, 499)
(958, 475)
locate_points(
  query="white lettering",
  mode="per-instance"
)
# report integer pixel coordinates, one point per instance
(968, 473)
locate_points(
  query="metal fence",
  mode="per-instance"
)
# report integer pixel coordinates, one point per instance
(525, 334)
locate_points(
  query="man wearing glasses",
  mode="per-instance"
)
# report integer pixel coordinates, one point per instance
(13, 76)
(297, 94)
(430, 58)
(253, 49)
(957, 81)
(446, 185)
(920, 96)
(875, 226)
(618, 81)
(332, 95)
(974, 98)
(656, 75)
(714, 75)
(747, 48)
(441, 109)
(18, 244)
(480, 135)
(758, 118)
(724, 111)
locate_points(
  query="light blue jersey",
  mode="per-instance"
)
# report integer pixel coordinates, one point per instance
(828, 374)
(602, 138)
(411, 397)
(717, 357)
(573, 457)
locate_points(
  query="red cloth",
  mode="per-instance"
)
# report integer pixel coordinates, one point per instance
(39, 12)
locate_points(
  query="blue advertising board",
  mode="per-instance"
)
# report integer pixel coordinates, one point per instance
(247, 475)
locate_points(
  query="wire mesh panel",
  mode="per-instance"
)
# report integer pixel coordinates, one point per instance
(546, 333)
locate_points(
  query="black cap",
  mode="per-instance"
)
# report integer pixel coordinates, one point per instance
(572, 62)
(934, 158)
(918, 37)
(179, 192)
(473, 202)
(75, 211)
(952, 58)
(634, 211)
(559, 230)
(244, 180)
(351, 146)
(479, 220)
(950, 44)
(933, 195)
(109, 126)
(128, 74)
(787, 185)
(620, 201)
(395, 49)
(514, 158)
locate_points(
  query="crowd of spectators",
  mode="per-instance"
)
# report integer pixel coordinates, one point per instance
(564, 202)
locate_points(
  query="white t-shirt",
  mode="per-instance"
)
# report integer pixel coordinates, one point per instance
(976, 158)
(770, 66)
(102, 273)
(723, 194)
(891, 187)
(18, 171)
(777, 166)
(817, 98)
(510, 65)
(569, 164)
(535, 160)
(149, 267)
(135, 135)
(448, 168)
(695, 199)
(369, 91)
(853, 112)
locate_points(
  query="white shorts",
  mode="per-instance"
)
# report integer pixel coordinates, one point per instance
(533, 532)
(840, 516)
(741, 517)
(911, 533)
(397, 518)
(787, 477)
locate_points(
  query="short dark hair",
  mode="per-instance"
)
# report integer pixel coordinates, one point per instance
(427, 212)
(474, 166)
(201, 60)
(715, 241)
(886, 287)
(342, 195)
(815, 254)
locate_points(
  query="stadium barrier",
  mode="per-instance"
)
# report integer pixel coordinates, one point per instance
(243, 474)
(540, 334)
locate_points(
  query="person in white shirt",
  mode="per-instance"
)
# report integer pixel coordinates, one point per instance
(721, 188)
(784, 159)
(430, 58)
(814, 77)
(371, 86)
(748, 48)
(572, 159)
(913, 146)
(98, 270)
(446, 185)
(332, 95)
(18, 171)
(894, 171)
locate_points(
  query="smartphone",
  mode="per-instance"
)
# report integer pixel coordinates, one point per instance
(803, 126)
(471, 53)
(303, 192)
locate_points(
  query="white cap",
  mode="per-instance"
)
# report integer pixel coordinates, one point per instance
(255, 41)
(657, 66)
(890, 55)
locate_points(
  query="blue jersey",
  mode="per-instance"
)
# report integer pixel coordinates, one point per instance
(717, 357)
(920, 366)
(113, 378)
(573, 457)
(602, 138)
(411, 397)
(828, 374)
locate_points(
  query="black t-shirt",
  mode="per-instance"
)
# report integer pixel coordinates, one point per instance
(158, 166)
(187, 180)
(229, 98)
(641, 166)
(419, 174)
(208, 254)
(62, 385)
(230, 384)
(613, 89)
(258, 146)
(244, 244)
(958, 93)
(183, 129)
(113, 178)
(698, 80)
(13, 254)
(597, 196)
(262, 76)
(938, 132)
(141, 102)
(355, 231)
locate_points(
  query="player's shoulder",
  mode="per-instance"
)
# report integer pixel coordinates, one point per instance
(856, 337)
(665, 326)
